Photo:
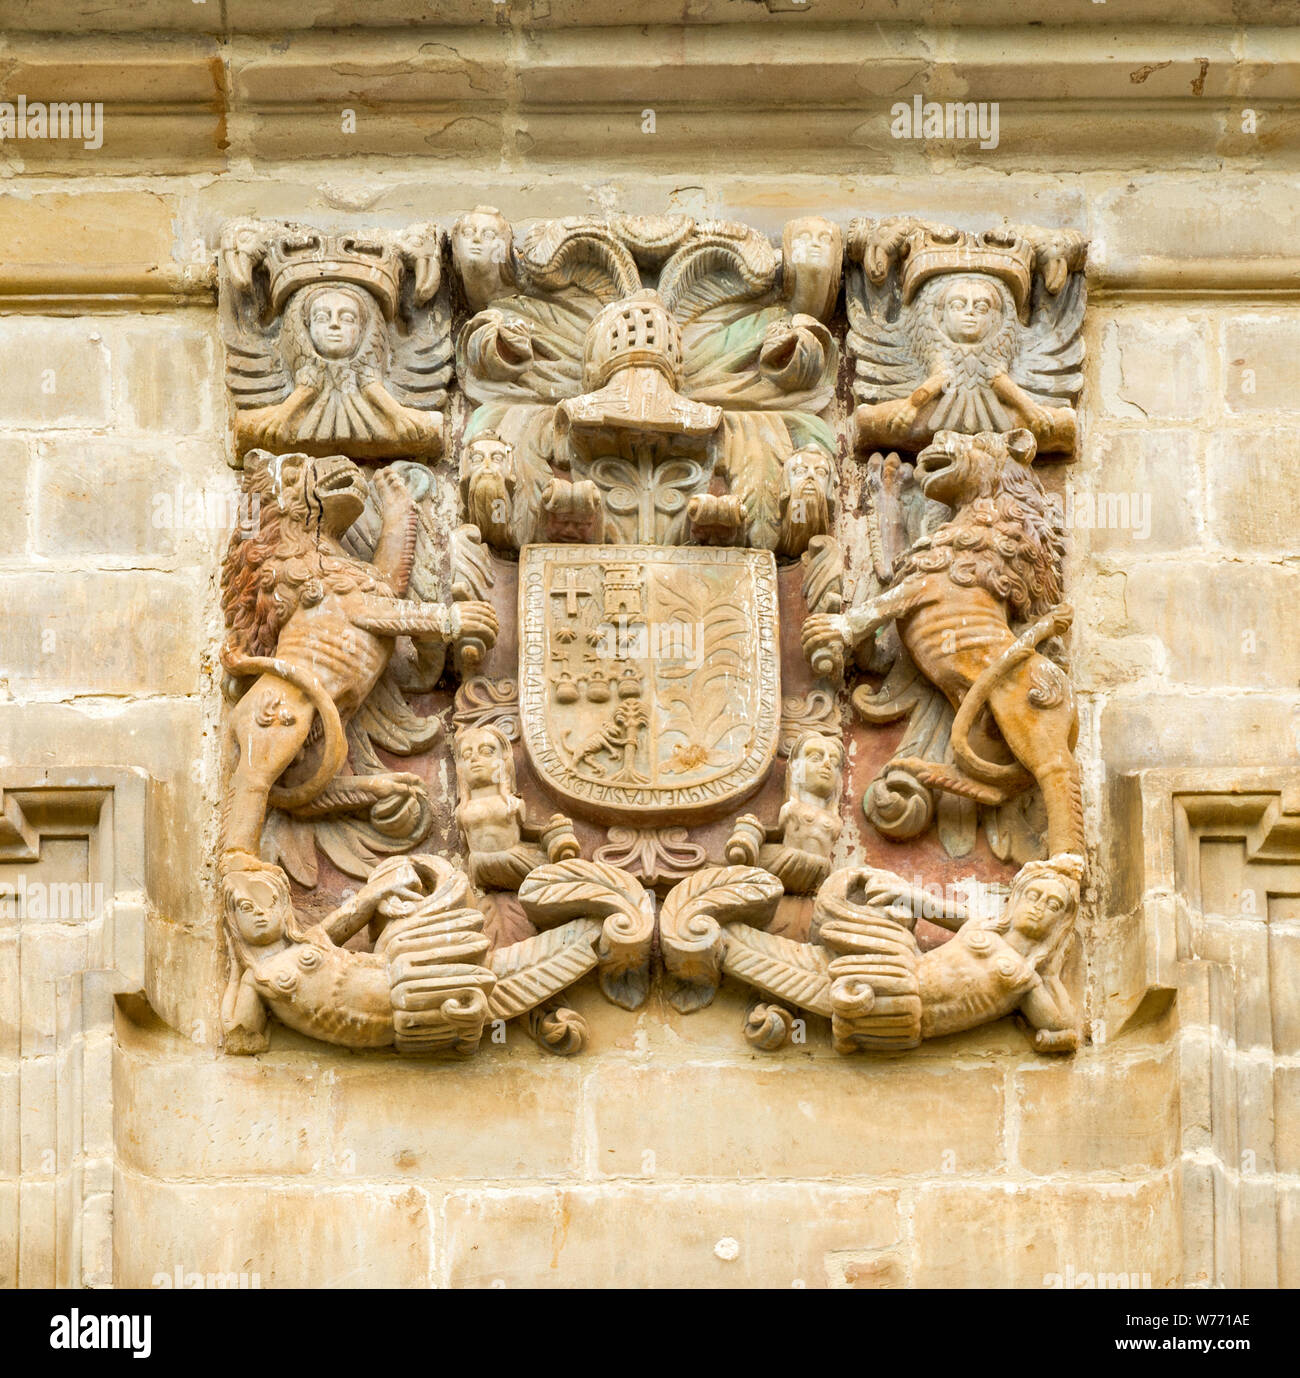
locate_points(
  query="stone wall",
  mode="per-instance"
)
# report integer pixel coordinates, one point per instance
(670, 1153)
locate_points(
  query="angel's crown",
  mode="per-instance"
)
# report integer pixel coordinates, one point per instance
(929, 250)
(298, 257)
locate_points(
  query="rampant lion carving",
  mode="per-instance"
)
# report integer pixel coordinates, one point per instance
(955, 595)
(311, 631)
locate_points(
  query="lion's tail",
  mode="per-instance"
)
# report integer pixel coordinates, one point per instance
(334, 752)
(1056, 622)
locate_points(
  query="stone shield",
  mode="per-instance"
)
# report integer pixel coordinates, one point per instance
(650, 682)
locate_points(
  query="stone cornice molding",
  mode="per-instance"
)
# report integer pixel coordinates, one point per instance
(1098, 94)
(289, 16)
(72, 289)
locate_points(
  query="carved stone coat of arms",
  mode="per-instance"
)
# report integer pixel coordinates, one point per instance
(617, 648)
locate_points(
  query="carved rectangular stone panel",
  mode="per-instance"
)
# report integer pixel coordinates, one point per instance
(649, 551)
(72, 907)
(1220, 910)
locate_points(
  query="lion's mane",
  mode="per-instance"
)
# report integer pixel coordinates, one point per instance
(264, 577)
(1006, 540)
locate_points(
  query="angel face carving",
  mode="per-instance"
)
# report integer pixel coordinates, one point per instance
(334, 316)
(335, 341)
(969, 308)
(812, 252)
(481, 242)
(333, 335)
(964, 332)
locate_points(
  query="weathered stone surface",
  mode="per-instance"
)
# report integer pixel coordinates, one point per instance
(10, 1033)
(1170, 729)
(72, 879)
(1248, 507)
(56, 373)
(510, 1117)
(166, 377)
(164, 738)
(1288, 1273)
(15, 500)
(795, 1122)
(1228, 631)
(723, 1235)
(1155, 368)
(1030, 1235)
(8, 1234)
(171, 1121)
(297, 1236)
(1258, 352)
(885, 1270)
(1108, 662)
(1286, 1119)
(187, 973)
(1108, 1113)
(1284, 992)
(53, 619)
(75, 232)
(1155, 220)
(121, 499)
(1141, 497)
(303, 70)
(10, 1154)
